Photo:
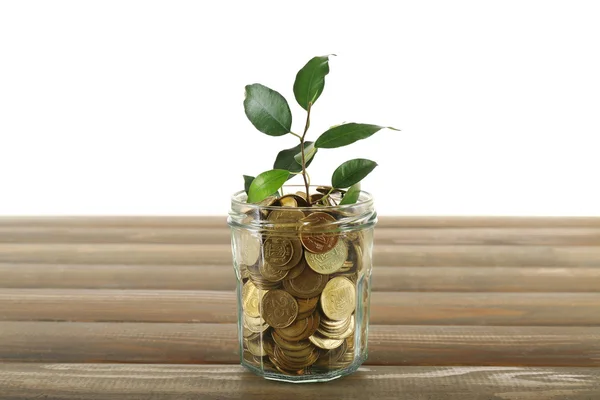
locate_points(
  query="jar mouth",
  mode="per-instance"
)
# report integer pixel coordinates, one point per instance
(238, 200)
(348, 216)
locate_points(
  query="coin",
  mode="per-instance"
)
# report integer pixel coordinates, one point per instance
(305, 305)
(296, 270)
(313, 240)
(294, 331)
(270, 201)
(288, 201)
(251, 297)
(255, 347)
(329, 262)
(279, 308)
(289, 345)
(278, 251)
(324, 342)
(338, 299)
(271, 273)
(293, 200)
(297, 255)
(292, 363)
(285, 219)
(255, 324)
(341, 332)
(307, 284)
(249, 247)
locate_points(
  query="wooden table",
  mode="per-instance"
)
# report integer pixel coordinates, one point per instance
(143, 308)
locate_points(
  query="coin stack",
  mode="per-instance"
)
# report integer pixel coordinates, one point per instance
(299, 290)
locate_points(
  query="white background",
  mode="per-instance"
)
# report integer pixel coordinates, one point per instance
(135, 107)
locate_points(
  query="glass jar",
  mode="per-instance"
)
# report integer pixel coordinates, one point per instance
(303, 284)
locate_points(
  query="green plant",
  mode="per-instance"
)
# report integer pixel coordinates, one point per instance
(270, 113)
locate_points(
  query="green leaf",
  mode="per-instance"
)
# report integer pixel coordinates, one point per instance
(310, 81)
(309, 153)
(268, 110)
(247, 181)
(351, 195)
(286, 159)
(266, 183)
(345, 134)
(351, 172)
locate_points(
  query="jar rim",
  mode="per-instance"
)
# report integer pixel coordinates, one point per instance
(365, 199)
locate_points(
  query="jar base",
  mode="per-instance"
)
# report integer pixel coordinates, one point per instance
(308, 378)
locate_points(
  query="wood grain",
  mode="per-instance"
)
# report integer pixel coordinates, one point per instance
(522, 236)
(388, 255)
(221, 277)
(394, 308)
(136, 382)
(217, 343)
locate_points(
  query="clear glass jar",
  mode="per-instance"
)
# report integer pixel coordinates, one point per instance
(303, 286)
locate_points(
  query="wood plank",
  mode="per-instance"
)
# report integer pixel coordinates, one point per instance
(212, 235)
(135, 382)
(116, 276)
(116, 221)
(485, 279)
(484, 256)
(76, 342)
(142, 254)
(401, 308)
(221, 277)
(220, 221)
(388, 255)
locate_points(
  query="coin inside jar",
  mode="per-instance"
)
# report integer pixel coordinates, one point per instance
(249, 247)
(279, 308)
(313, 240)
(307, 284)
(285, 219)
(338, 299)
(297, 269)
(330, 261)
(251, 298)
(278, 251)
(272, 273)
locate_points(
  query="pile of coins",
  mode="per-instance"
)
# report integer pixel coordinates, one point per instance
(298, 292)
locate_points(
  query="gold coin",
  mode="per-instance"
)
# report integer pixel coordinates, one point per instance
(293, 200)
(308, 284)
(297, 269)
(292, 363)
(255, 347)
(312, 239)
(278, 251)
(294, 331)
(271, 273)
(346, 331)
(286, 219)
(289, 345)
(338, 299)
(279, 308)
(255, 324)
(270, 201)
(306, 305)
(249, 247)
(324, 342)
(297, 256)
(329, 262)
(251, 298)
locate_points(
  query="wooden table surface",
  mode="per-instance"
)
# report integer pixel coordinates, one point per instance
(143, 308)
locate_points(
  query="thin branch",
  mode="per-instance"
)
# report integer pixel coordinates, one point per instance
(306, 184)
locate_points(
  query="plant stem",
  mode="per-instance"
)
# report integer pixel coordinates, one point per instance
(295, 134)
(326, 195)
(304, 175)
